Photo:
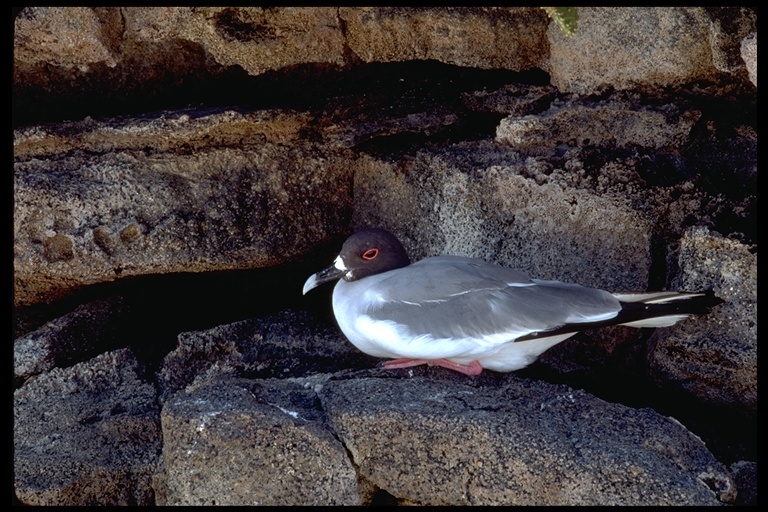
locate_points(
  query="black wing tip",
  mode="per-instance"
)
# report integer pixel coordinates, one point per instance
(698, 303)
(708, 299)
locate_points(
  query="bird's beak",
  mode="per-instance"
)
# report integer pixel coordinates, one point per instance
(329, 274)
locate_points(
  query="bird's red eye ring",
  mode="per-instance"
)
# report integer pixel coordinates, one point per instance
(370, 254)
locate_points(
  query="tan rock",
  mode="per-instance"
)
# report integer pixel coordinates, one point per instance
(626, 47)
(175, 194)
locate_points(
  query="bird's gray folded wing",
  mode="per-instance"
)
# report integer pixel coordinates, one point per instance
(485, 302)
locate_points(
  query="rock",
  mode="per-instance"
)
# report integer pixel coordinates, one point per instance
(745, 476)
(67, 37)
(728, 26)
(283, 345)
(606, 124)
(512, 99)
(431, 407)
(637, 47)
(521, 443)
(453, 35)
(148, 52)
(226, 437)
(475, 201)
(87, 435)
(88, 330)
(58, 248)
(749, 54)
(208, 203)
(257, 39)
(714, 358)
(245, 442)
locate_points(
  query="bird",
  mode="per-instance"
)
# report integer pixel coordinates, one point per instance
(466, 314)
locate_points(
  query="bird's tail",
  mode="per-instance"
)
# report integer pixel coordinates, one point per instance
(651, 309)
(662, 309)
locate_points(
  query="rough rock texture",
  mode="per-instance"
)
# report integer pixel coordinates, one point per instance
(745, 477)
(599, 124)
(450, 203)
(175, 193)
(282, 346)
(90, 329)
(454, 35)
(715, 359)
(247, 442)
(518, 444)
(146, 52)
(627, 47)
(179, 172)
(388, 422)
(749, 54)
(87, 435)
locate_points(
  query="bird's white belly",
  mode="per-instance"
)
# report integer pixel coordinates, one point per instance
(396, 341)
(387, 340)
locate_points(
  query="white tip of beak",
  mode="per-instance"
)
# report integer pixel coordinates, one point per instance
(309, 284)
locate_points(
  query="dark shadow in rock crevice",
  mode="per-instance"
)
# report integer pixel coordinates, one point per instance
(302, 87)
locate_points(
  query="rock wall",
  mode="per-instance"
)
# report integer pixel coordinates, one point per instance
(180, 171)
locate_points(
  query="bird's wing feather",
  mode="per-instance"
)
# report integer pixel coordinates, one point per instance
(482, 301)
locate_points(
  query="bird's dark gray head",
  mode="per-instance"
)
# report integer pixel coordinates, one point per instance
(367, 252)
(372, 251)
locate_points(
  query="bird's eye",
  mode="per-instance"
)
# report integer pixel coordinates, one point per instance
(370, 254)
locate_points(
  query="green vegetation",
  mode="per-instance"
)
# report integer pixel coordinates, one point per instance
(566, 18)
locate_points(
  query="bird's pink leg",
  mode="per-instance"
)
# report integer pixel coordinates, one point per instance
(472, 368)
(402, 363)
